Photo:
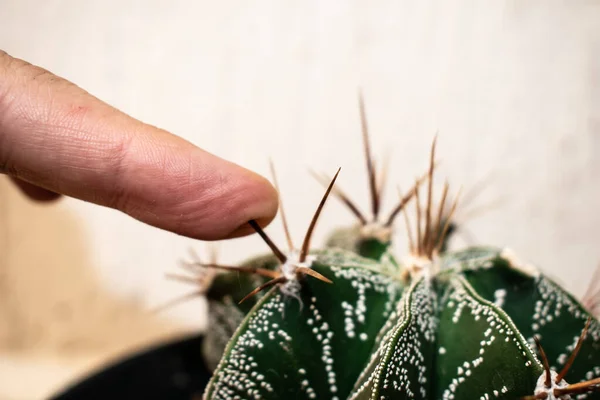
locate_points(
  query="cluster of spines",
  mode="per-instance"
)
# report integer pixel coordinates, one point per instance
(553, 383)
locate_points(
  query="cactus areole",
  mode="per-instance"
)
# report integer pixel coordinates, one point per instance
(353, 321)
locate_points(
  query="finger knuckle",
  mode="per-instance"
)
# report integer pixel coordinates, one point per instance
(118, 160)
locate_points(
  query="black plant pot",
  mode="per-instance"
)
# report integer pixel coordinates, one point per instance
(171, 371)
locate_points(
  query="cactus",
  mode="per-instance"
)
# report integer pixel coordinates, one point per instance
(353, 321)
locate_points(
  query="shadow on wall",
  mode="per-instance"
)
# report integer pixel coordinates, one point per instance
(51, 301)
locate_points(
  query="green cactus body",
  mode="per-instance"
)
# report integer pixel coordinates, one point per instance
(459, 334)
(316, 339)
(437, 325)
(538, 306)
(372, 326)
(227, 289)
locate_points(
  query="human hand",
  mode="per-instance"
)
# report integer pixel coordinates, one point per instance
(57, 138)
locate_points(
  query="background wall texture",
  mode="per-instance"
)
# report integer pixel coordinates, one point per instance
(512, 87)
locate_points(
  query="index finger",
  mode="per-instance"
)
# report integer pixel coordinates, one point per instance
(55, 135)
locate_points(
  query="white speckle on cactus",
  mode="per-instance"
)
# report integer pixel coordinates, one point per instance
(324, 334)
(516, 263)
(348, 322)
(229, 372)
(224, 318)
(593, 373)
(499, 296)
(467, 305)
(540, 387)
(401, 349)
(552, 304)
(442, 350)
(354, 315)
(589, 375)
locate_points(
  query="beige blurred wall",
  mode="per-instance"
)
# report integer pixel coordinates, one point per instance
(512, 87)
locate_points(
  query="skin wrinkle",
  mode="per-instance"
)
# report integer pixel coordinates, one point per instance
(45, 85)
(232, 202)
(27, 113)
(186, 214)
(211, 197)
(72, 125)
(121, 151)
(182, 184)
(120, 194)
(64, 153)
(180, 218)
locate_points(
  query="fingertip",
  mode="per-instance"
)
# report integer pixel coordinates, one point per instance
(260, 204)
(245, 229)
(219, 202)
